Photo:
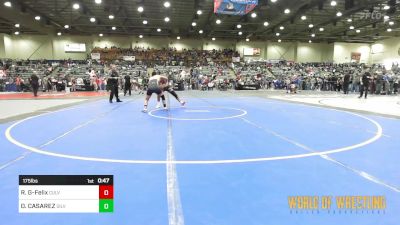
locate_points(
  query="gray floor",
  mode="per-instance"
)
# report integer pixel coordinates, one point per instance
(380, 105)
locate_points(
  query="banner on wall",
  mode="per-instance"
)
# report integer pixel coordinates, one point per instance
(235, 59)
(273, 61)
(355, 57)
(75, 47)
(234, 7)
(252, 51)
(128, 58)
(95, 56)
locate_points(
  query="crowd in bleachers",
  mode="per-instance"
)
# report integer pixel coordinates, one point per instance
(15, 74)
(92, 75)
(82, 75)
(168, 56)
(331, 77)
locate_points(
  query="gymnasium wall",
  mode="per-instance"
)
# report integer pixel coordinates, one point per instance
(34, 47)
(386, 52)
(2, 48)
(315, 52)
(52, 47)
(342, 52)
(219, 44)
(283, 50)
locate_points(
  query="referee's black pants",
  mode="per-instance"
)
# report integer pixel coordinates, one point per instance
(363, 88)
(114, 92)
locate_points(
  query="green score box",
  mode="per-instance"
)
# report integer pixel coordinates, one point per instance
(106, 205)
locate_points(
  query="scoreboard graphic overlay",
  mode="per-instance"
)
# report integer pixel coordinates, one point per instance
(66, 194)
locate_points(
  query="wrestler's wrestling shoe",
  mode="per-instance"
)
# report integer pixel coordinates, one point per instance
(158, 105)
(183, 103)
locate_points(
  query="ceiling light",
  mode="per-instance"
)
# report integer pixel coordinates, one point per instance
(389, 30)
(277, 34)
(281, 27)
(166, 19)
(287, 11)
(111, 17)
(113, 28)
(213, 38)
(140, 9)
(179, 38)
(386, 17)
(309, 41)
(199, 12)
(66, 26)
(240, 33)
(391, 23)
(218, 21)
(339, 14)
(273, 1)
(303, 17)
(358, 31)
(37, 18)
(312, 35)
(17, 25)
(101, 35)
(266, 24)
(386, 7)
(59, 33)
(321, 29)
(140, 36)
(200, 31)
(8, 4)
(253, 15)
(310, 25)
(333, 3)
(247, 39)
(351, 27)
(349, 20)
(238, 26)
(158, 30)
(194, 24)
(279, 40)
(167, 4)
(16, 32)
(144, 22)
(92, 19)
(75, 6)
(97, 1)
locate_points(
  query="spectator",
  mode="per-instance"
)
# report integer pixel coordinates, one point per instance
(35, 84)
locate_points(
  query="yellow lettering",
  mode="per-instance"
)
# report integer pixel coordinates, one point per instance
(292, 202)
(340, 202)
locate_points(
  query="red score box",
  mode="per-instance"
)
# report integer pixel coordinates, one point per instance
(106, 192)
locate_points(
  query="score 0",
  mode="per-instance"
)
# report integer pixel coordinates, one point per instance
(106, 198)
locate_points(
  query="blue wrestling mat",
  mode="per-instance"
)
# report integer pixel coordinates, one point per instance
(228, 160)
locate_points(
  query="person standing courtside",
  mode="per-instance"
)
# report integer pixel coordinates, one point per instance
(35, 84)
(113, 84)
(128, 85)
(364, 84)
(346, 83)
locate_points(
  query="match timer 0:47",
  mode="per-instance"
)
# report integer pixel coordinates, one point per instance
(66, 194)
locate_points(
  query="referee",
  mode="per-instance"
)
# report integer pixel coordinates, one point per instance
(364, 84)
(113, 82)
(35, 84)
